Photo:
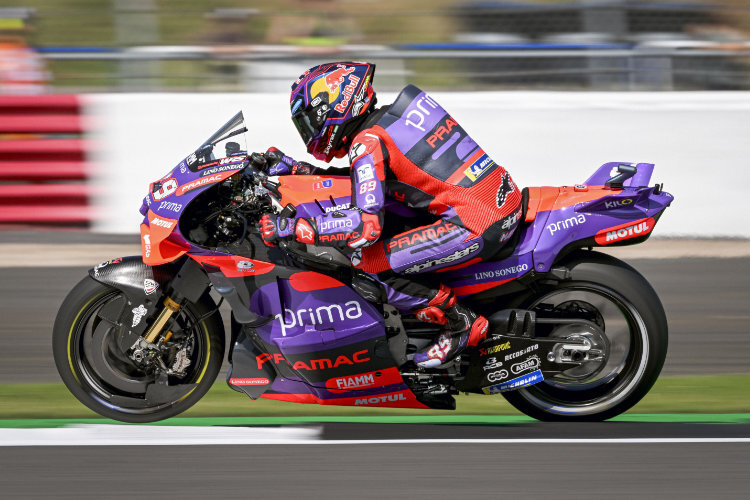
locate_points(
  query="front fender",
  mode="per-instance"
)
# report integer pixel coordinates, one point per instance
(142, 285)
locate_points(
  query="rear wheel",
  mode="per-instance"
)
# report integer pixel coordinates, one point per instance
(626, 330)
(92, 354)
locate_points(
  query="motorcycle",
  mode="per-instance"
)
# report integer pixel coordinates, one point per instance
(574, 334)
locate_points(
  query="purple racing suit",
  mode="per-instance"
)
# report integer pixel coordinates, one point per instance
(415, 154)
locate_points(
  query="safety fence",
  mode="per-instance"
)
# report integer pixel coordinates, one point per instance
(43, 167)
(575, 65)
(255, 45)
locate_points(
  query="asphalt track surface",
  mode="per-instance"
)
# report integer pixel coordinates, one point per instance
(619, 460)
(706, 300)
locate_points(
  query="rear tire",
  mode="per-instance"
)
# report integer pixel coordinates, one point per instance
(635, 325)
(99, 373)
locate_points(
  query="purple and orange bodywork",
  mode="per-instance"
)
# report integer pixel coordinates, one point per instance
(314, 339)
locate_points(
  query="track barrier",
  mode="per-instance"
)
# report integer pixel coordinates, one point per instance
(43, 167)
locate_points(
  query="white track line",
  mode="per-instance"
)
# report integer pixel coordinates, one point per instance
(143, 435)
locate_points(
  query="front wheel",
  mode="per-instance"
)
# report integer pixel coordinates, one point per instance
(630, 342)
(91, 350)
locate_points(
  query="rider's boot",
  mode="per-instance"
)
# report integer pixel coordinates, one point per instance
(465, 328)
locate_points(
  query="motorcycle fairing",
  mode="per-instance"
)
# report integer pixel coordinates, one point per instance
(314, 194)
(169, 196)
(161, 239)
(235, 266)
(561, 218)
(156, 245)
(575, 225)
(403, 398)
(323, 341)
(487, 275)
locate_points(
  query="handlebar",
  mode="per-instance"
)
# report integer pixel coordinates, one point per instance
(255, 166)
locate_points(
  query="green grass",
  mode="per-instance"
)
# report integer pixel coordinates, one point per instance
(670, 395)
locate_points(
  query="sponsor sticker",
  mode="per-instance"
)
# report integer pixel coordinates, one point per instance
(138, 314)
(150, 286)
(147, 245)
(245, 266)
(105, 264)
(518, 354)
(565, 224)
(323, 184)
(617, 203)
(495, 348)
(359, 381)
(530, 363)
(516, 383)
(379, 400)
(168, 205)
(365, 173)
(355, 151)
(249, 381)
(204, 181)
(348, 92)
(497, 376)
(220, 169)
(342, 206)
(477, 169)
(458, 254)
(165, 223)
(335, 78)
(491, 364)
(625, 231)
(314, 364)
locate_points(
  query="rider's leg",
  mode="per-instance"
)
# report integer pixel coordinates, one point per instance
(398, 261)
(465, 328)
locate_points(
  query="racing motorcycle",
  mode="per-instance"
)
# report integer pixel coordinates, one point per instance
(574, 334)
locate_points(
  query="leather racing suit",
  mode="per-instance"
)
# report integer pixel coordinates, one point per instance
(415, 154)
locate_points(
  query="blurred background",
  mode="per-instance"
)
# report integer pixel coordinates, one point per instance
(86, 86)
(553, 88)
(248, 45)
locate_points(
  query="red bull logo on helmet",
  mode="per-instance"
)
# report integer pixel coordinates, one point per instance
(331, 83)
(335, 78)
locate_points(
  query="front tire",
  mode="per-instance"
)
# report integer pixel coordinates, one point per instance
(89, 354)
(632, 319)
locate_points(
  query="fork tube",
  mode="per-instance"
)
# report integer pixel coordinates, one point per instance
(170, 307)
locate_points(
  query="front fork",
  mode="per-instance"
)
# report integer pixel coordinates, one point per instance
(170, 307)
(147, 348)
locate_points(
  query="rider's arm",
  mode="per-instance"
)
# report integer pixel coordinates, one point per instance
(361, 224)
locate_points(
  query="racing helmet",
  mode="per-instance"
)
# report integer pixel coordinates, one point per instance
(329, 102)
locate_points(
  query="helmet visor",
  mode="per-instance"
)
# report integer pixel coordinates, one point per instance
(305, 128)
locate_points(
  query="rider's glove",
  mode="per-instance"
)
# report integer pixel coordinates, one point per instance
(274, 229)
(277, 163)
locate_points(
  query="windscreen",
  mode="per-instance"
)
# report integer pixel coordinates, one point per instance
(229, 140)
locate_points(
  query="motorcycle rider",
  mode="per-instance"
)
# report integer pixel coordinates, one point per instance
(410, 153)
